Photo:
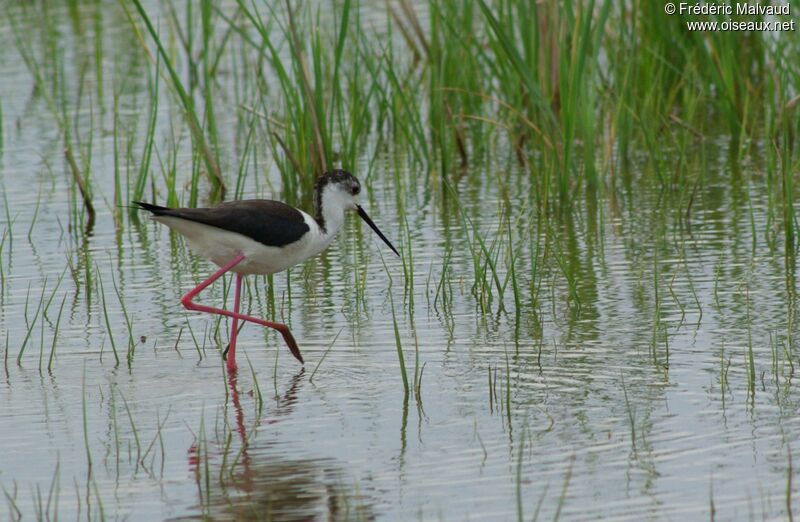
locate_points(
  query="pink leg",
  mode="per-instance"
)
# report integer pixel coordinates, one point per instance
(235, 326)
(190, 305)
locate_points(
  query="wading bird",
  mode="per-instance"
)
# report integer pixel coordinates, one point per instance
(262, 237)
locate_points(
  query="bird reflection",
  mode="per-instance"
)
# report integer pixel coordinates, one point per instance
(256, 482)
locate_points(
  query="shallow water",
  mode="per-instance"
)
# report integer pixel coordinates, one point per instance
(625, 397)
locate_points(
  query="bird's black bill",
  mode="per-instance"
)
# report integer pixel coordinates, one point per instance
(374, 227)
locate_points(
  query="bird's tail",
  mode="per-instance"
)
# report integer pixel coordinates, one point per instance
(157, 210)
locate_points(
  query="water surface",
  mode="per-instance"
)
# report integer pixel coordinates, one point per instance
(619, 387)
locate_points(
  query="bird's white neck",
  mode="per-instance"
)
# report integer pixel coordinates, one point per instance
(331, 205)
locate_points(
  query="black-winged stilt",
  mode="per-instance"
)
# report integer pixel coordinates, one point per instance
(263, 237)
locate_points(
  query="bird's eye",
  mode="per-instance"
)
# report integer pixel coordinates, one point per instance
(355, 190)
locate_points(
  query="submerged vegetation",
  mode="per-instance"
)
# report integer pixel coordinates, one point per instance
(587, 98)
(577, 94)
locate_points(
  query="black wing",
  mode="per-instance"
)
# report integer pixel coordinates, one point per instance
(271, 223)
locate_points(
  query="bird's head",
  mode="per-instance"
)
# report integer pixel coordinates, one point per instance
(340, 189)
(337, 188)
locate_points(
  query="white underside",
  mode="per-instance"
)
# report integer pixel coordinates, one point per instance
(221, 246)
